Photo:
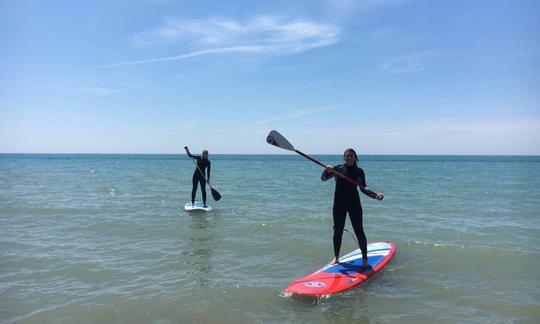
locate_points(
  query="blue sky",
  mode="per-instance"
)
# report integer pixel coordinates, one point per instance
(381, 76)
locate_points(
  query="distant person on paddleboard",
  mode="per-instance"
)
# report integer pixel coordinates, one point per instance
(347, 199)
(203, 163)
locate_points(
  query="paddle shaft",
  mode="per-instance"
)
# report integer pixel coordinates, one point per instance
(202, 173)
(324, 166)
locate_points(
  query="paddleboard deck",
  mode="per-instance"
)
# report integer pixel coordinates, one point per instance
(336, 278)
(197, 206)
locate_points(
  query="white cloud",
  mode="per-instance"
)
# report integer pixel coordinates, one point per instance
(441, 136)
(351, 5)
(292, 116)
(98, 91)
(384, 32)
(409, 63)
(281, 34)
(258, 35)
(223, 50)
(433, 60)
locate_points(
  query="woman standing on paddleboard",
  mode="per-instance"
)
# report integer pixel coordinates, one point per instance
(347, 199)
(198, 176)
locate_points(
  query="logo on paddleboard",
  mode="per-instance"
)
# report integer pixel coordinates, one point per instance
(314, 284)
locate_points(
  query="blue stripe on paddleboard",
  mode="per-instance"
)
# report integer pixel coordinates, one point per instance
(355, 266)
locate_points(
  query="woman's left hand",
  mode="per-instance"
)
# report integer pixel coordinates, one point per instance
(380, 196)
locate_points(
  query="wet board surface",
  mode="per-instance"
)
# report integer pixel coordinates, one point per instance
(197, 206)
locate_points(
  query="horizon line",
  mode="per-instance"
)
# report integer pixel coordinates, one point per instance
(291, 154)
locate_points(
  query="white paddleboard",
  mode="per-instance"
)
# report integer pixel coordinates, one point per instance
(197, 206)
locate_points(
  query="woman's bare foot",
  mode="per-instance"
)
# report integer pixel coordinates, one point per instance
(334, 261)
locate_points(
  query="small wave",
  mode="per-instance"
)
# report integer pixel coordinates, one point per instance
(461, 246)
(314, 300)
(110, 190)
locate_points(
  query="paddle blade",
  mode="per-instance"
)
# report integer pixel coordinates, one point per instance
(276, 139)
(215, 194)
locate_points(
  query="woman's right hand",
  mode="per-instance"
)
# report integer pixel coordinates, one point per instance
(329, 169)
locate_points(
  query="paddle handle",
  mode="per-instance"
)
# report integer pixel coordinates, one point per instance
(324, 166)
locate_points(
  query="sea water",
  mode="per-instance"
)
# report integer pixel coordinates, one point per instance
(105, 239)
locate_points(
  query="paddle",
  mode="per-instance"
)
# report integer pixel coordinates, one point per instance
(215, 193)
(276, 139)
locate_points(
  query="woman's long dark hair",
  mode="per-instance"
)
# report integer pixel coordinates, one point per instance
(353, 152)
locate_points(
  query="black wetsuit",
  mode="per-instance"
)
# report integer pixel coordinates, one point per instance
(198, 176)
(347, 199)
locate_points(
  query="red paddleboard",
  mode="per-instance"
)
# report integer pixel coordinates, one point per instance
(335, 278)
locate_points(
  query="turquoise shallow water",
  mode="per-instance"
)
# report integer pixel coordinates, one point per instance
(104, 238)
